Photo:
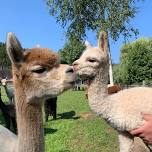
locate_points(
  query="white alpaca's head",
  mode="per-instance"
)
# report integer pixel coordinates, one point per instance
(93, 58)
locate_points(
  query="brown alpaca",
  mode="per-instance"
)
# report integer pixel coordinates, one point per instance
(37, 75)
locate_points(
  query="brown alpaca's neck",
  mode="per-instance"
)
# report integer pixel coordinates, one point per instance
(97, 89)
(29, 122)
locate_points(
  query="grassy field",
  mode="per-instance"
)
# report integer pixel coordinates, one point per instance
(4, 98)
(77, 129)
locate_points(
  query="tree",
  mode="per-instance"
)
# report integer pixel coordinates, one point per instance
(136, 62)
(111, 16)
(116, 73)
(71, 51)
(4, 60)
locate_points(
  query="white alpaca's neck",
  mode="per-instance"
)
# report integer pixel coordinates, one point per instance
(97, 91)
(29, 122)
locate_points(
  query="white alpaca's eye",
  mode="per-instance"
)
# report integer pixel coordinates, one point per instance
(92, 60)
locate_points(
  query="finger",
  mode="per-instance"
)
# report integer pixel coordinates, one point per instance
(136, 131)
(141, 135)
(149, 142)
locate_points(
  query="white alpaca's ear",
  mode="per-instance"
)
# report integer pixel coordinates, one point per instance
(87, 44)
(103, 41)
(14, 49)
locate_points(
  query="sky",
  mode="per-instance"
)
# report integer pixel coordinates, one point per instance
(32, 24)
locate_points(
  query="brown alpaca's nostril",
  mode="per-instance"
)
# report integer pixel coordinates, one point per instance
(69, 70)
(75, 64)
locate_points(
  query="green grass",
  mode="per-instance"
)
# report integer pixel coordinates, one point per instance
(3, 94)
(4, 98)
(77, 129)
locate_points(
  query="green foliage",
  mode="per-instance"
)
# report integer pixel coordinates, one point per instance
(4, 60)
(80, 15)
(136, 62)
(116, 74)
(71, 51)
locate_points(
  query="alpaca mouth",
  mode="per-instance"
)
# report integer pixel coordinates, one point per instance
(72, 82)
(84, 73)
(85, 77)
(79, 70)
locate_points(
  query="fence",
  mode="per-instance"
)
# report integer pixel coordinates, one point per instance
(135, 85)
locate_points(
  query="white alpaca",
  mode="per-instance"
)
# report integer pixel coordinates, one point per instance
(121, 110)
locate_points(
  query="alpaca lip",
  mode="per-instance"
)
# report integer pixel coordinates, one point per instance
(72, 82)
(77, 69)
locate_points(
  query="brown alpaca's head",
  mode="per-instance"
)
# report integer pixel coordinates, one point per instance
(92, 59)
(37, 71)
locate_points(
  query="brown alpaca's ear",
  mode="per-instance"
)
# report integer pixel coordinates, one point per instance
(103, 41)
(14, 49)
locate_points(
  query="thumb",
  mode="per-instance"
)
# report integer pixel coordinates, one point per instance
(147, 117)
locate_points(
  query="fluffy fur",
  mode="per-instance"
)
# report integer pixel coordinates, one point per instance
(121, 110)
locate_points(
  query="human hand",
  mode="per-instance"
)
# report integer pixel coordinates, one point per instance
(145, 131)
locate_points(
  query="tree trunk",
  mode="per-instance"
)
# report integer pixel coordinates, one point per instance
(110, 65)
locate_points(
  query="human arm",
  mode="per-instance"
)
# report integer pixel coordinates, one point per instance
(145, 131)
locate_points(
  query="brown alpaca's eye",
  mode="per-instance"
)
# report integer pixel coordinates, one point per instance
(39, 70)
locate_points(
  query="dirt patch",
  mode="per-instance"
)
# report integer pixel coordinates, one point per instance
(110, 130)
(87, 116)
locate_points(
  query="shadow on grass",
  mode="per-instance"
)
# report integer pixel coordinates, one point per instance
(68, 115)
(49, 130)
